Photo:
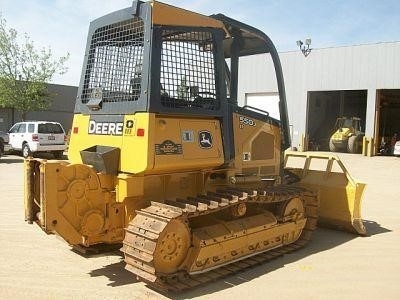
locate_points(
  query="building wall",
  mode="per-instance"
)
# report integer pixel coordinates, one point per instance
(61, 109)
(6, 115)
(361, 67)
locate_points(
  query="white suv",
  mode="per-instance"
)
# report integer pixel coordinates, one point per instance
(38, 136)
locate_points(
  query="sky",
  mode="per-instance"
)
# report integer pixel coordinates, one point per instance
(62, 25)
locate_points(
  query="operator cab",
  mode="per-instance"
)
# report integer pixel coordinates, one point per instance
(172, 66)
(134, 63)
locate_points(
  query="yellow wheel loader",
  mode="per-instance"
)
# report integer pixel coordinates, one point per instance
(163, 160)
(347, 136)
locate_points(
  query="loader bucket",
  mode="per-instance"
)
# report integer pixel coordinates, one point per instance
(339, 194)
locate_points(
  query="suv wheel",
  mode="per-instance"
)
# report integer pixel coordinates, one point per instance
(1, 148)
(26, 152)
(58, 154)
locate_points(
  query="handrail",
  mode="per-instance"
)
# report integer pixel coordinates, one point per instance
(256, 109)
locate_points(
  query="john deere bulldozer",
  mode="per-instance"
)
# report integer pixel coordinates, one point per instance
(163, 160)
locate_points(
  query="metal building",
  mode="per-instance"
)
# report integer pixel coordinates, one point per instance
(355, 81)
(61, 109)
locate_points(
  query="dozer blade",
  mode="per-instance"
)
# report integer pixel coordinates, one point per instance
(339, 194)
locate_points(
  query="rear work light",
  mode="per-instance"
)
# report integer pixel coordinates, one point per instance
(35, 137)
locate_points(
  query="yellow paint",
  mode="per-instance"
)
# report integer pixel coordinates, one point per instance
(340, 194)
(164, 14)
(246, 131)
(190, 154)
(227, 241)
(129, 186)
(138, 153)
(135, 155)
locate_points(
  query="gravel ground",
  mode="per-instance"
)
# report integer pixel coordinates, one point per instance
(335, 265)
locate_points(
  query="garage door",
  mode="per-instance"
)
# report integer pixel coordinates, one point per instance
(324, 107)
(265, 101)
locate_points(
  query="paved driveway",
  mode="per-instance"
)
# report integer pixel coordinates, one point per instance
(335, 265)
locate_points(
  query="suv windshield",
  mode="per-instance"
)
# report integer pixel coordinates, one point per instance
(50, 128)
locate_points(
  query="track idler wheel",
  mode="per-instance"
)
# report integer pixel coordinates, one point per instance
(172, 247)
(292, 209)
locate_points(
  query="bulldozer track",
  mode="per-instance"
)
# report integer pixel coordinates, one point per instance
(144, 230)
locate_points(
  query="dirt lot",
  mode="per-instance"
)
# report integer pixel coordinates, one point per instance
(335, 265)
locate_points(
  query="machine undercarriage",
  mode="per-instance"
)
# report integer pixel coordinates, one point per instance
(188, 242)
(172, 244)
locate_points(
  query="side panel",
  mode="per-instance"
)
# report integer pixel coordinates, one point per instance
(150, 144)
(187, 144)
(257, 146)
(130, 133)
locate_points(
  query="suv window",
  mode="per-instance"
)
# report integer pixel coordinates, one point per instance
(22, 128)
(14, 129)
(50, 128)
(31, 128)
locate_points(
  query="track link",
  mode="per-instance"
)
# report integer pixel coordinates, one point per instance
(144, 231)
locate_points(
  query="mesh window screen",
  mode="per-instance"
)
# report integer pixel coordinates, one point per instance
(188, 70)
(115, 62)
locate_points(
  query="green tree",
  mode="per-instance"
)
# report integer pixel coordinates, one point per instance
(24, 72)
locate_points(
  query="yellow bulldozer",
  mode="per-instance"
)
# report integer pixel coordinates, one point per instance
(163, 160)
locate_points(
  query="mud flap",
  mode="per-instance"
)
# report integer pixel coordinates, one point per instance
(339, 194)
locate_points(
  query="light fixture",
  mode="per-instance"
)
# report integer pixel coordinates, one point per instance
(304, 46)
